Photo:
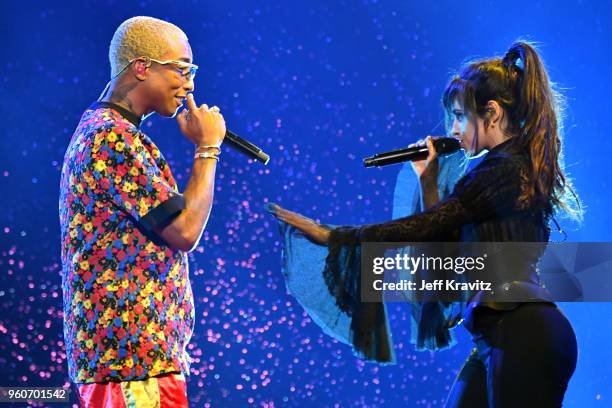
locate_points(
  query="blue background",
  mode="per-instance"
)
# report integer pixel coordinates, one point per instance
(319, 85)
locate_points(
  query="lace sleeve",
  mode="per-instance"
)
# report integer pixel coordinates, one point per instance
(438, 222)
(488, 191)
(343, 268)
(369, 330)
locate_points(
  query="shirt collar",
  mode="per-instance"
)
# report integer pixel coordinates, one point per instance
(130, 116)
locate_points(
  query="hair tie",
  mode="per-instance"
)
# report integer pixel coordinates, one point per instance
(514, 59)
(519, 64)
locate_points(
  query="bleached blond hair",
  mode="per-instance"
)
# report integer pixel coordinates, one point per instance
(140, 37)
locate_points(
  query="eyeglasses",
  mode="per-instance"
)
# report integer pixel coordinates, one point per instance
(186, 69)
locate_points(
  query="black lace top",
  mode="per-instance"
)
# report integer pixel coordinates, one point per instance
(483, 207)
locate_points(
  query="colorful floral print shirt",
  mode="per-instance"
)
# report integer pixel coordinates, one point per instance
(128, 305)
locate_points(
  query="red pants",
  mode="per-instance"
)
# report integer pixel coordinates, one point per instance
(164, 391)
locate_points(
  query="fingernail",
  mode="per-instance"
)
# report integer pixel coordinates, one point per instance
(271, 208)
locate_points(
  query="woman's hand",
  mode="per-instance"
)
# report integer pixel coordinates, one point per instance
(427, 171)
(311, 229)
(421, 167)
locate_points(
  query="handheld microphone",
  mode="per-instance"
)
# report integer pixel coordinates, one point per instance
(443, 146)
(245, 147)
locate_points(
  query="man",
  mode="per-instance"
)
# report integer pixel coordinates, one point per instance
(126, 230)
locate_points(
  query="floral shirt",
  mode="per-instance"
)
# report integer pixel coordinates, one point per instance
(128, 305)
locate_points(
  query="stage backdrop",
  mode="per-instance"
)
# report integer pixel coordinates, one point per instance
(319, 85)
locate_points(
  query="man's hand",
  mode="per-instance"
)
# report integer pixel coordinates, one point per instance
(203, 126)
(311, 229)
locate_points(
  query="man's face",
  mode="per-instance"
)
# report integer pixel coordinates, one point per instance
(167, 87)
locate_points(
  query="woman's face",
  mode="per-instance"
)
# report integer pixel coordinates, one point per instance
(464, 129)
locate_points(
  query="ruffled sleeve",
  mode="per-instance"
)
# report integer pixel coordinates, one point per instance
(369, 332)
(327, 281)
(489, 191)
(369, 328)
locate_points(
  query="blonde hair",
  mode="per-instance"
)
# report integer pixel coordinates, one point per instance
(140, 37)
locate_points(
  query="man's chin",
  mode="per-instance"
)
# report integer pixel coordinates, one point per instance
(168, 113)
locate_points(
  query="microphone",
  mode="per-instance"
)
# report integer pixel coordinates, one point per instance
(245, 147)
(443, 146)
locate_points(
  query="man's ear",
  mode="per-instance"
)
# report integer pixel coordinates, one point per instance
(139, 69)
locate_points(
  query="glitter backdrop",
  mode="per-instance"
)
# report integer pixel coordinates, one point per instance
(318, 85)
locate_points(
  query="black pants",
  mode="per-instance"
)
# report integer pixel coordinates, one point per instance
(524, 358)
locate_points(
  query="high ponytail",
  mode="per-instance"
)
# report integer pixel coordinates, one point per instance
(539, 111)
(520, 84)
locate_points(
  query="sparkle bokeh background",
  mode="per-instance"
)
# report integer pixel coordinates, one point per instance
(319, 85)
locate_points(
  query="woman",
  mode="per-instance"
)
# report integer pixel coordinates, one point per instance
(525, 352)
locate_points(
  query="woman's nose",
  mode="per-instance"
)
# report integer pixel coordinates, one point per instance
(456, 129)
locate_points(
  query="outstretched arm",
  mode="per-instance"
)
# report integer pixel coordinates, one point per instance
(314, 231)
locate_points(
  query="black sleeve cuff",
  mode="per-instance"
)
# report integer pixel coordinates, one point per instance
(164, 213)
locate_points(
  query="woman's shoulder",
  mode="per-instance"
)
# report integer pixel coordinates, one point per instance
(503, 166)
(492, 188)
(506, 156)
